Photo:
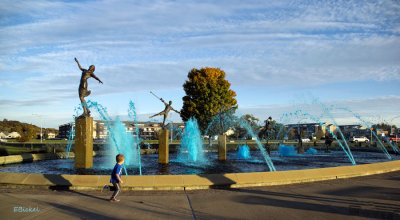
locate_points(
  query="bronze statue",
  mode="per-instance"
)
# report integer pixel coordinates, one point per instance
(168, 107)
(265, 134)
(83, 91)
(264, 131)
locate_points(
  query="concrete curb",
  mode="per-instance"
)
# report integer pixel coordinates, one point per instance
(192, 182)
(27, 157)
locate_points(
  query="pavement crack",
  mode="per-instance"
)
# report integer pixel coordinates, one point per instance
(190, 204)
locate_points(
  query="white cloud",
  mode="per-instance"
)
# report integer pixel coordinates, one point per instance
(137, 46)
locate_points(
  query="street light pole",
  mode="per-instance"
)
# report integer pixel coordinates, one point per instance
(41, 126)
(371, 135)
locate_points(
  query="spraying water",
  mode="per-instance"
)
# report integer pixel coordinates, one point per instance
(104, 115)
(300, 114)
(243, 152)
(126, 143)
(368, 125)
(244, 124)
(191, 149)
(348, 152)
(327, 111)
(137, 140)
(287, 151)
(222, 121)
(71, 136)
(311, 151)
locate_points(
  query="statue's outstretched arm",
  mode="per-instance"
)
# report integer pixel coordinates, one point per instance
(163, 101)
(76, 60)
(175, 110)
(94, 76)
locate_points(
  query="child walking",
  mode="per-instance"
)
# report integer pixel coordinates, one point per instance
(116, 177)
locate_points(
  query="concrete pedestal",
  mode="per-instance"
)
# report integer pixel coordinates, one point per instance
(300, 149)
(84, 142)
(221, 147)
(163, 147)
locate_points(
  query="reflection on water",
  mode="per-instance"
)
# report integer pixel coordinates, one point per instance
(163, 168)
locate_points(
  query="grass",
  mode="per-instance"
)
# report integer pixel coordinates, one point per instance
(37, 141)
(11, 150)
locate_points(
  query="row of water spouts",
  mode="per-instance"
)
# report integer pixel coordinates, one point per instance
(119, 141)
(192, 143)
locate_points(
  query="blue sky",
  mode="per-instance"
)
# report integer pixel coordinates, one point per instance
(280, 56)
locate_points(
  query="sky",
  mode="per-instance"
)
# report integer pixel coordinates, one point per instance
(279, 56)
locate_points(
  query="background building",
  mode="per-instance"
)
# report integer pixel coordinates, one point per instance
(147, 131)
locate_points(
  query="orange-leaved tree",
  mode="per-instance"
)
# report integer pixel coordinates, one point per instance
(208, 94)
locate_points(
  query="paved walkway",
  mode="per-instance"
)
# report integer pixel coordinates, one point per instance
(368, 197)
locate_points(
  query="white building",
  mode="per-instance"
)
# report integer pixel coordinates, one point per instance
(13, 135)
(51, 135)
(2, 135)
(229, 132)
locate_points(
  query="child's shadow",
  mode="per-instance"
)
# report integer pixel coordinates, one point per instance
(62, 184)
(76, 192)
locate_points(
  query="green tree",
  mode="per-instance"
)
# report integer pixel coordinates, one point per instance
(240, 132)
(275, 130)
(253, 121)
(28, 131)
(208, 94)
(385, 127)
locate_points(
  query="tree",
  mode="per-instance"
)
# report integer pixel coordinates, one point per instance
(28, 132)
(253, 121)
(208, 94)
(240, 132)
(385, 127)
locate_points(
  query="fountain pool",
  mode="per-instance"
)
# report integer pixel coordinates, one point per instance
(256, 163)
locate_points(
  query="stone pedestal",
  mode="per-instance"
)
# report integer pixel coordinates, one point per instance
(300, 149)
(163, 147)
(84, 142)
(221, 147)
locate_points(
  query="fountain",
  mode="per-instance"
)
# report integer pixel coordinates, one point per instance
(300, 114)
(191, 149)
(243, 152)
(132, 115)
(368, 125)
(191, 157)
(127, 145)
(311, 151)
(287, 151)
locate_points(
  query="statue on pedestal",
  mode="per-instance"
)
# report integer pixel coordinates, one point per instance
(168, 107)
(83, 91)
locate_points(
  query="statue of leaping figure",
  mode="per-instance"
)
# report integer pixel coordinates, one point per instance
(168, 108)
(83, 91)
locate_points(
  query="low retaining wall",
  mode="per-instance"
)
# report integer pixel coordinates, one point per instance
(190, 182)
(23, 158)
(26, 158)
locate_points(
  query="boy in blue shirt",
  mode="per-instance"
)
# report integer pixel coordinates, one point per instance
(116, 177)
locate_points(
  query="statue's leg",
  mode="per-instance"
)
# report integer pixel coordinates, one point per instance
(86, 112)
(156, 115)
(163, 124)
(87, 93)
